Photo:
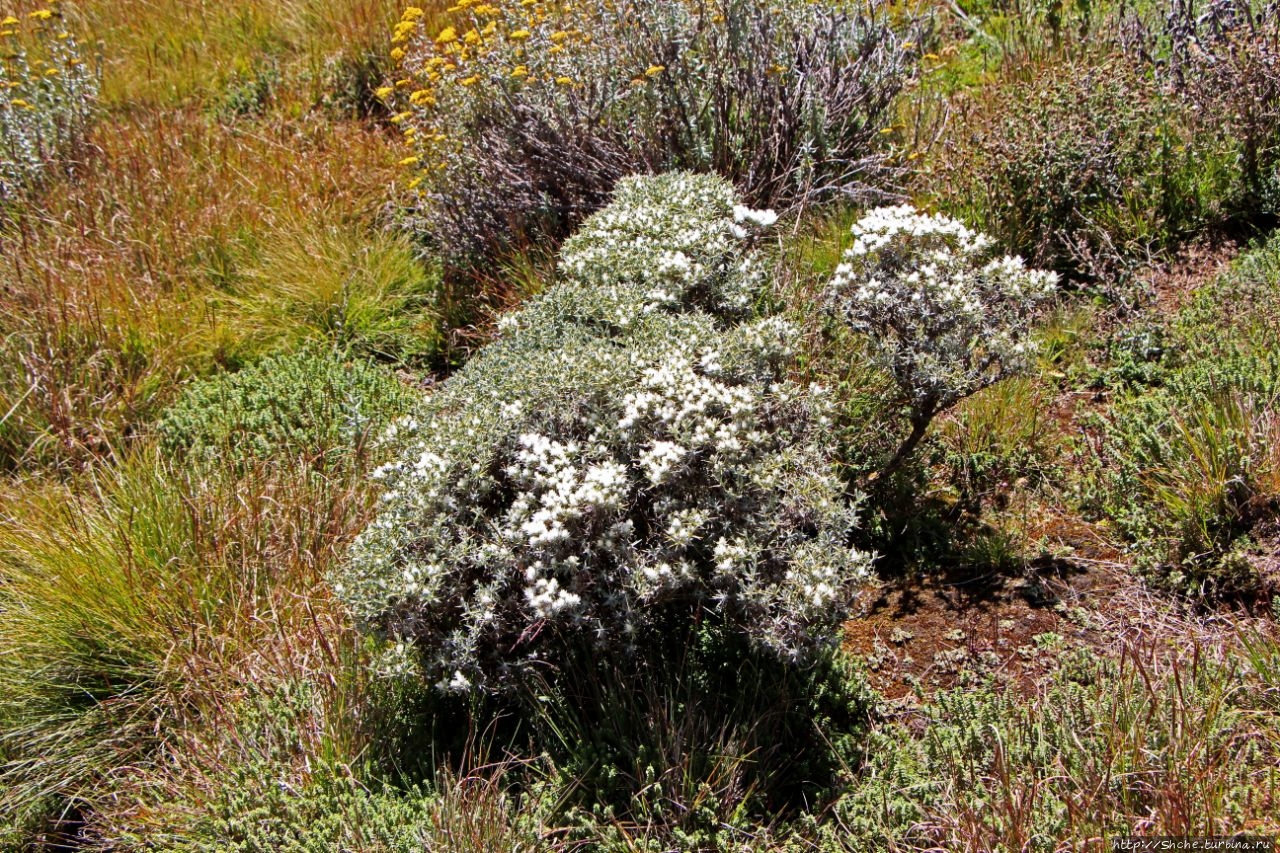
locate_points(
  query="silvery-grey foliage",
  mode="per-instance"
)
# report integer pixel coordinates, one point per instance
(943, 316)
(630, 451)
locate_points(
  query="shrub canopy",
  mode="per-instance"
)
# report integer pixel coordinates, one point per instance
(630, 452)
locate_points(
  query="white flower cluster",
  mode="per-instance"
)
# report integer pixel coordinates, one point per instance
(558, 489)
(579, 479)
(680, 246)
(677, 401)
(942, 315)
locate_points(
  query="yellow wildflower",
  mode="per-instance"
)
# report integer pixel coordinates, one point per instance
(520, 35)
(565, 81)
(9, 21)
(8, 33)
(489, 29)
(472, 37)
(384, 92)
(415, 183)
(411, 160)
(520, 71)
(470, 81)
(41, 14)
(399, 117)
(19, 102)
(397, 53)
(404, 84)
(422, 97)
(447, 36)
(412, 13)
(654, 70)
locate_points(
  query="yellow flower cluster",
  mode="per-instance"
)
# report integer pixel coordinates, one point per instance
(10, 23)
(481, 49)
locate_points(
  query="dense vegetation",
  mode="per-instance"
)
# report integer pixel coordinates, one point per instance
(786, 425)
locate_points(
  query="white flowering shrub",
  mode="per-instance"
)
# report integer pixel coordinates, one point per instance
(522, 114)
(630, 451)
(47, 93)
(943, 315)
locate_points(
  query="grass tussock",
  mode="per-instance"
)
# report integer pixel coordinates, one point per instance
(148, 601)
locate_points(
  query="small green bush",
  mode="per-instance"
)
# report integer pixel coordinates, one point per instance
(47, 93)
(310, 403)
(522, 116)
(1085, 167)
(1102, 747)
(630, 453)
(282, 792)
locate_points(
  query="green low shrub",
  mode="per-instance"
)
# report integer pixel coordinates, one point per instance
(281, 791)
(1087, 167)
(522, 116)
(1195, 467)
(1103, 749)
(309, 404)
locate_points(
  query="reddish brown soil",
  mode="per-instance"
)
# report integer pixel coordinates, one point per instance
(928, 633)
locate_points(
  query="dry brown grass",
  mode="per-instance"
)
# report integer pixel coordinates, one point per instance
(108, 286)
